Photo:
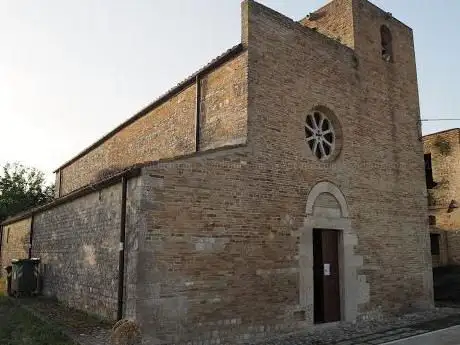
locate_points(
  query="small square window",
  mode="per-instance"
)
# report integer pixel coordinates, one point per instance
(432, 220)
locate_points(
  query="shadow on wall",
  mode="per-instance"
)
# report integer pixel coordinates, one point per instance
(106, 173)
(79, 252)
(446, 284)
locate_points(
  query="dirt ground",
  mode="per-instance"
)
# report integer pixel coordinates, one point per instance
(18, 327)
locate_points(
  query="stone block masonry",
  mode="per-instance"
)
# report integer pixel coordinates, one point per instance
(442, 166)
(168, 130)
(301, 134)
(78, 245)
(15, 242)
(375, 103)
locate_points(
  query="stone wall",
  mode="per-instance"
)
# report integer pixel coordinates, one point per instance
(223, 105)
(78, 243)
(204, 270)
(445, 165)
(334, 20)
(453, 242)
(441, 259)
(220, 244)
(444, 148)
(15, 242)
(78, 246)
(293, 70)
(169, 129)
(224, 253)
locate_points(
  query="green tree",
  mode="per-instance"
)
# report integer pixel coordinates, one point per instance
(22, 188)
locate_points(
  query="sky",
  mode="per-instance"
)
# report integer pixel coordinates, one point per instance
(70, 71)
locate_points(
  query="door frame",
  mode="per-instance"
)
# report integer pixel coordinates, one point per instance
(354, 290)
(338, 236)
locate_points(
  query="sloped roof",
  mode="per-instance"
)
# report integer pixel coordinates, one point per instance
(216, 62)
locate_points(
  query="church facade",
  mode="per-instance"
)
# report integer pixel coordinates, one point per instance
(279, 187)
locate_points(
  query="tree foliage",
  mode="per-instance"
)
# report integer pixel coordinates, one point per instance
(22, 188)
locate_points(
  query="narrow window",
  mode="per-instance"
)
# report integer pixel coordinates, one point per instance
(429, 172)
(7, 234)
(387, 44)
(434, 239)
(432, 220)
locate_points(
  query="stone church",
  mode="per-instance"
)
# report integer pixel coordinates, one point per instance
(279, 187)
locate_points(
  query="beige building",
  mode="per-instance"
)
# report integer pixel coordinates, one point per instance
(442, 167)
(279, 187)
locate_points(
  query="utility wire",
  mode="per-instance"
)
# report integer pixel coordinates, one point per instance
(440, 119)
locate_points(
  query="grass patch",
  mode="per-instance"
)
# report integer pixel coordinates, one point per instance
(64, 315)
(19, 327)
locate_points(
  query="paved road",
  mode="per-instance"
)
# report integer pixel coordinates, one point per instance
(448, 336)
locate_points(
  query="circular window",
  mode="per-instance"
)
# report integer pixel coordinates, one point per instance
(320, 135)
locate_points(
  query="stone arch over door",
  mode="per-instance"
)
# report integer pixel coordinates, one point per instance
(327, 208)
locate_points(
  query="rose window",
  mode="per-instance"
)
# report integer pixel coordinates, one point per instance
(320, 135)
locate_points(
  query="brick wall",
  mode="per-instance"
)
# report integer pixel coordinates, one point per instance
(441, 259)
(218, 240)
(206, 254)
(389, 118)
(334, 20)
(446, 172)
(453, 242)
(57, 184)
(221, 246)
(169, 129)
(376, 103)
(444, 148)
(15, 242)
(223, 106)
(78, 245)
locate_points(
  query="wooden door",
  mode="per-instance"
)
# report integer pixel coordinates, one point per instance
(326, 275)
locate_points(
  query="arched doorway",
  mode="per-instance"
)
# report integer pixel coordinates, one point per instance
(330, 288)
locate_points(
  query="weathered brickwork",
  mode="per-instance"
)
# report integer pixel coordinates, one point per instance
(15, 242)
(78, 246)
(208, 257)
(220, 242)
(223, 106)
(376, 104)
(453, 242)
(169, 129)
(57, 184)
(444, 148)
(441, 259)
(334, 20)
(226, 251)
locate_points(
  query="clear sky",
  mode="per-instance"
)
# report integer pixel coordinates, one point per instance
(70, 71)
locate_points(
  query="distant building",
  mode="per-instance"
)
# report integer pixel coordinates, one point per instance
(442, 166)
(279, 187)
